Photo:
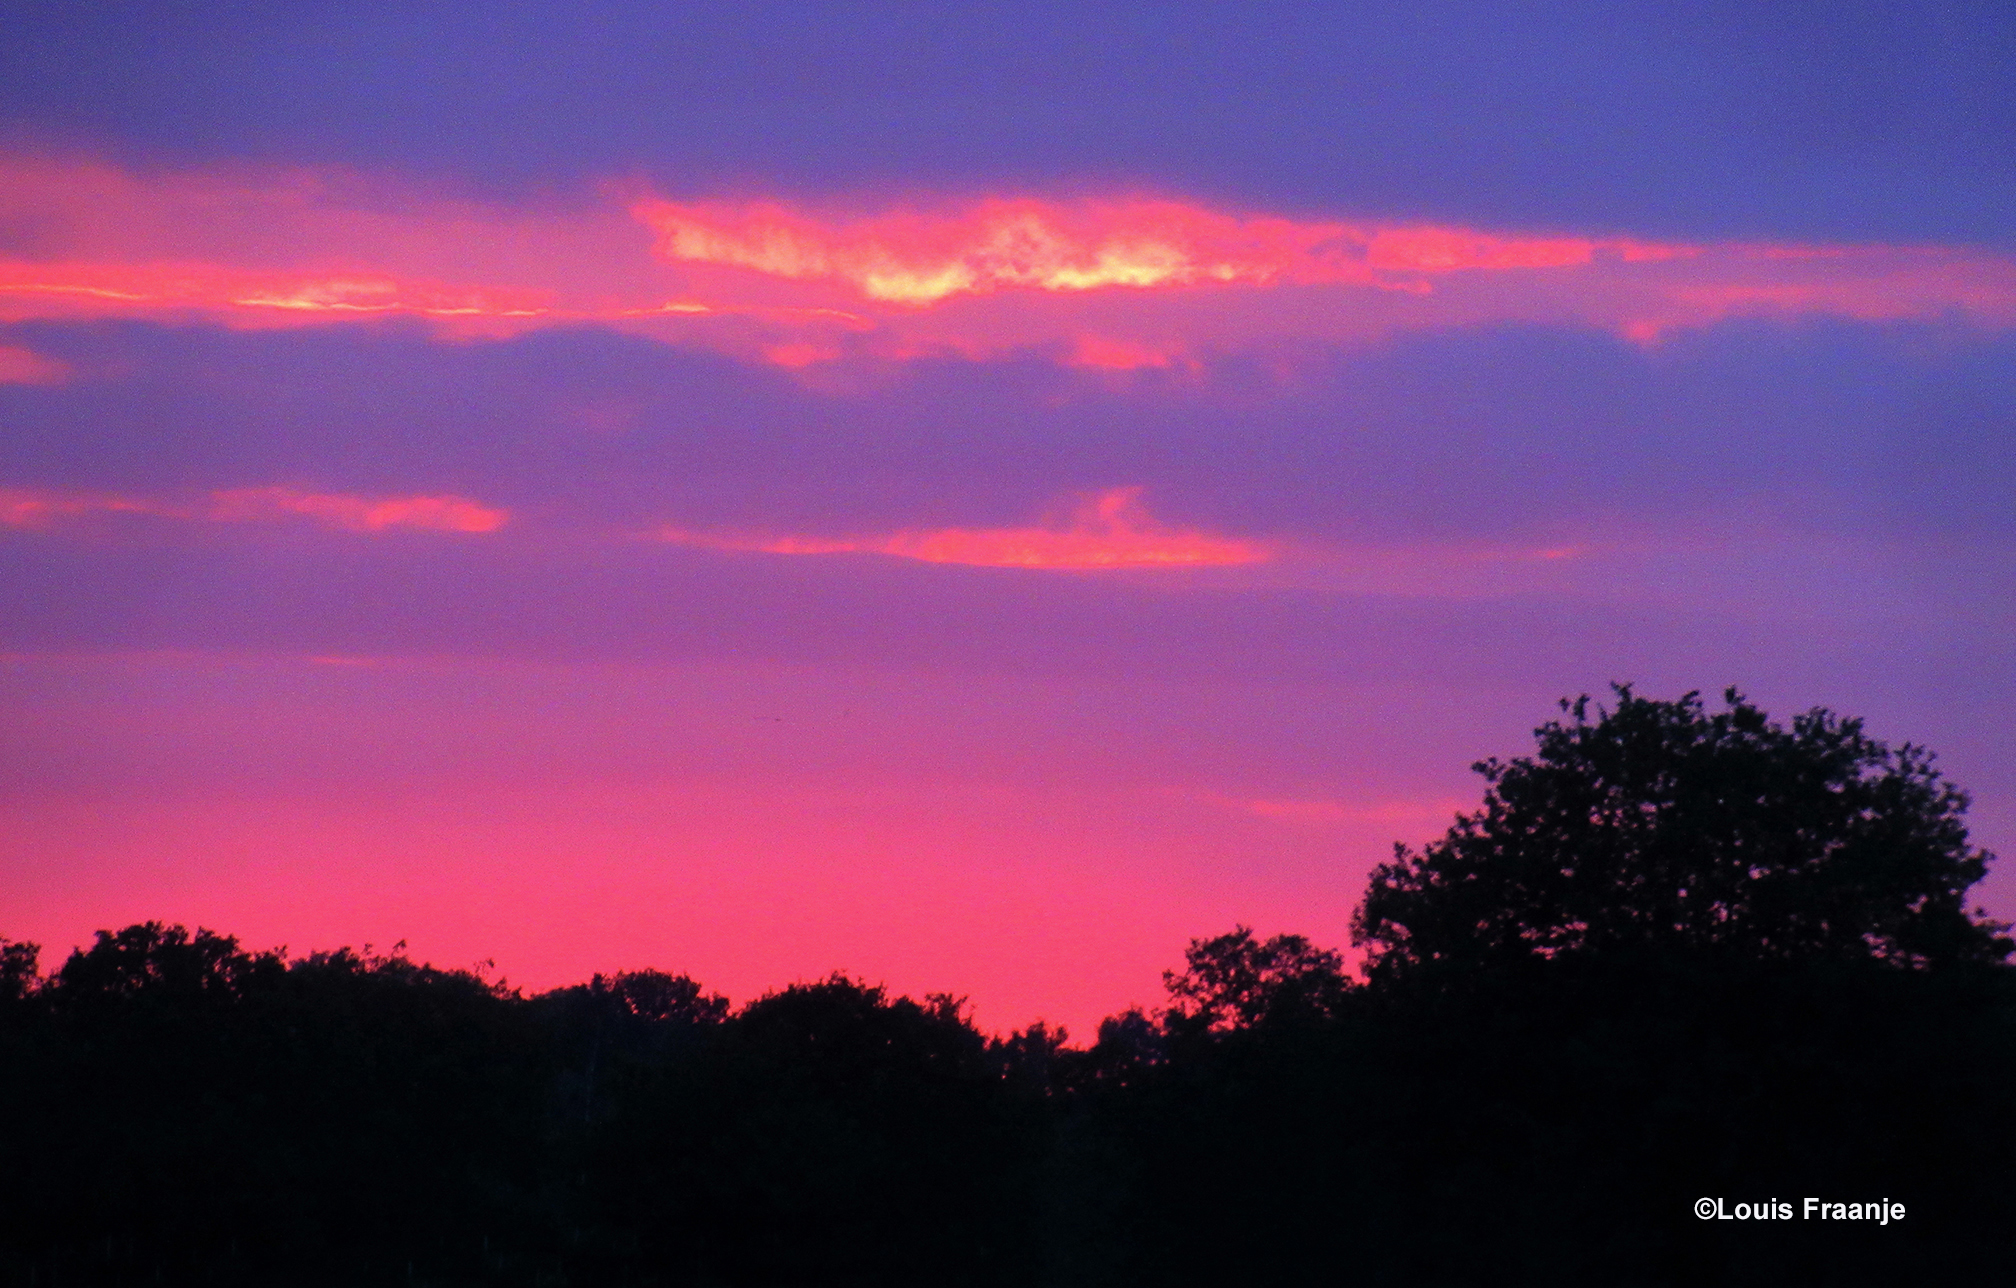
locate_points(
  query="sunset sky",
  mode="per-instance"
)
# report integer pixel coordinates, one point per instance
(969, 495)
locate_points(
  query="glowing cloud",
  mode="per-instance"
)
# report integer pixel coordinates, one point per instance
(1049, 246)
(248, 299)
(907, 259)
(1114, 286)
(33, 508)
(1107, 532)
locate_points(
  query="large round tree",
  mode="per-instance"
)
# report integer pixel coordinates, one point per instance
(1659, 829)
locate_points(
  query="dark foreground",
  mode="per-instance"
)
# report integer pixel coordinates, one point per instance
(179, 1111)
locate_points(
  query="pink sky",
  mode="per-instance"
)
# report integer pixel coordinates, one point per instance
(986, 590)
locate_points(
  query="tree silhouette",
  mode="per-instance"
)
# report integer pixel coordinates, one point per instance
(1660, 829)
(153, 962)
(1237, 981)
(19, 974)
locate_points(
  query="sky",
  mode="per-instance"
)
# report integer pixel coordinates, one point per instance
(971, 495)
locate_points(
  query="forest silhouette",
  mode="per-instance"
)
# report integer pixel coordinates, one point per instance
(1677, 953)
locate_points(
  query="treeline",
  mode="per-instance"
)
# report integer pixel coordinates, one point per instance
(1674, 956)
(180, 1110)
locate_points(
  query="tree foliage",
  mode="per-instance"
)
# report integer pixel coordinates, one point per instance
(1235, 981)
(1656, 828)
(19, 974)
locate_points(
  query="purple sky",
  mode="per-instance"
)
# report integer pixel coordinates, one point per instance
(974, 497)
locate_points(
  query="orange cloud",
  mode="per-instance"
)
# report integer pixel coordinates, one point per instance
(1115, 285)
(33, 508)
(1106, 532)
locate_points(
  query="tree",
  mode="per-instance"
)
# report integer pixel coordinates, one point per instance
(156, 962)
(1657, 828)
(1236, 982)
(19, 977)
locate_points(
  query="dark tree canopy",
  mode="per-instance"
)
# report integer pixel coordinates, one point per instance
(18, 969)
(156, 962)
(1236, 981)
(1659, 828)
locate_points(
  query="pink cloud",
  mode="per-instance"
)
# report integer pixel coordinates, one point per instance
(35, 508)
(360, 514)
(1116, 285)
(1413, 814)
(245, 298)
(1107, 532)
(920, 260)
(20, 366)
(1416, 815)
(1098, 353)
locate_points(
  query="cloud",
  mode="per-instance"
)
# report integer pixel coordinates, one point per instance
(1084, 246)
(20, 366)
(360, 514)
(1114, 285)
(242, 298)
(999, 245)
(1107, 532)
(37, 508)
(1394, 813)
(1417, 815)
